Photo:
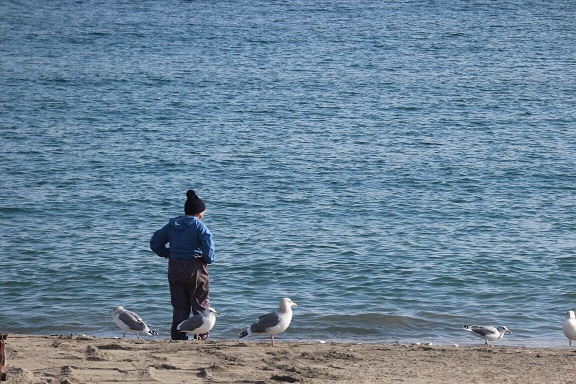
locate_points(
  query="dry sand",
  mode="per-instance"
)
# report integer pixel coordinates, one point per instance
(81, 359)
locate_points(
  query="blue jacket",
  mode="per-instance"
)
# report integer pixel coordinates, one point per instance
(188, 238)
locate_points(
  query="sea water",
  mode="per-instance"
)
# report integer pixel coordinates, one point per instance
(397, 168)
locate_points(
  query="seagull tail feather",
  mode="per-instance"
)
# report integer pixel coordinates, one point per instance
(153, 333)
(243, 334)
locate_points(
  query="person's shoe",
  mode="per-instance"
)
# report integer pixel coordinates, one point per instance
(178, 336)
(202, 336)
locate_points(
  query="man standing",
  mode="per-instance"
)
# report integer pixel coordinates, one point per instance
(188, 245)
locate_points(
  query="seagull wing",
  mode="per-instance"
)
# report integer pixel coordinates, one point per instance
(191, 324)
(484, 330)
(265, 322)
(132, 321)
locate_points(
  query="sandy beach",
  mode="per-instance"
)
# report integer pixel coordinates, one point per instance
(83, 359)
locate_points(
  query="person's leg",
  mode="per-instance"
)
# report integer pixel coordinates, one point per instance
(178, 277)
(200, 299)
(179, 298)
(200, 293)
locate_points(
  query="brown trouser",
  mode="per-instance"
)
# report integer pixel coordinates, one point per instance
(189, 291)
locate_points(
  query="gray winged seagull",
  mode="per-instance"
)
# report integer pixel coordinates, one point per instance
(128, 321)
(487, 332)
(569, 327)
(199, 324)
(272, 323)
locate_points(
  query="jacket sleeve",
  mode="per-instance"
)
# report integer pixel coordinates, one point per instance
(207, 245)
(158, 242)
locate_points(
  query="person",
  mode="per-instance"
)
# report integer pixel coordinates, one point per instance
(188, 245)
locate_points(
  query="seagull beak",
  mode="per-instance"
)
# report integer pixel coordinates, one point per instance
(509, 331)
(218, 313)
(294, 304)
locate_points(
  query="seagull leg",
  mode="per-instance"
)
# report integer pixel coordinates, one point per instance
(124, 335)
(272, 340)
(138, 336)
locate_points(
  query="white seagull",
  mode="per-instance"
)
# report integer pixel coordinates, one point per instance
(569, 327)
(272, 323)
(198, 324)
(130, 322)
(487, 332)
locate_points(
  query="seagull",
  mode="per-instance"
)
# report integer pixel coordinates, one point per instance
(569, 327)
(272, 323)
(130, 322)
(201, 323)
(487, 332)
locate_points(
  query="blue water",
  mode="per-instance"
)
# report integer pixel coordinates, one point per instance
(397, 168)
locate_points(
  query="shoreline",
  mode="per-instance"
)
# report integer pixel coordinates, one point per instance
(84, 359)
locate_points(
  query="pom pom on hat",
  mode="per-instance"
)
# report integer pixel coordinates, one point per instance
(193, 204)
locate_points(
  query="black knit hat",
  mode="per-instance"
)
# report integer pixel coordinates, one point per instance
(194, 204)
